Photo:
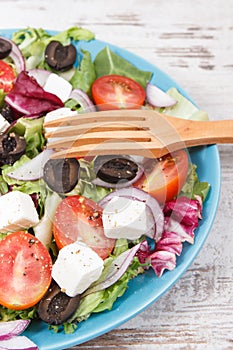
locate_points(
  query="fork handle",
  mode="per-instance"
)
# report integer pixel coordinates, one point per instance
(197, 133)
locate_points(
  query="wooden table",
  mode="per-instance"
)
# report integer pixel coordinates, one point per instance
(192, 41)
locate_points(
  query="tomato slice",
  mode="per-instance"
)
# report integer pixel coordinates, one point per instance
(165, 177)
(26, 269)
(80, 218)
(7, 76)
(116, 92)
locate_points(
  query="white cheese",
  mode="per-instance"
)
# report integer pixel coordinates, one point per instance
(17, 211)
(126, 218)
(58, 86)
(4, 125)
(76, 268)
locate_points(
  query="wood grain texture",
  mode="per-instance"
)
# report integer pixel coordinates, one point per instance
(192, 41)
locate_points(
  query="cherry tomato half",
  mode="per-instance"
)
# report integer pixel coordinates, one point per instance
(116, 91)
(25, 270)
(80, 218)
(165, 177)
(7, 76)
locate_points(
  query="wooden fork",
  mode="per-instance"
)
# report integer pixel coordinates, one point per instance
(136, 132)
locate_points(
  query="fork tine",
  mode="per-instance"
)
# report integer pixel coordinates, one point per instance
(77, 130)
(146, 149)
(95, 117)
(100, 137)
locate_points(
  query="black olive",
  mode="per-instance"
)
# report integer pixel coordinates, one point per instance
(61, 175)
(8, 113)
(5, 48)
(12, 147)
(60, 57)
(56, 307)
(113, 169)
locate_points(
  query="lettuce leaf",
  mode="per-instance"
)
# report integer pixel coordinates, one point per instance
(85, 187)
(84, 75)
(108, 62)
(184, 108)
(104, 299)
(193, 186)
(33, 41)
(36, 188)
(32, 130)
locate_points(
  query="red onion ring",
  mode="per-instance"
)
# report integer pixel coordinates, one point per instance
(33, 169)
(157, 97)
(83, 99)
(18, 342)
(12, 328)
(115, 270)
(142, 196)
(16, 55)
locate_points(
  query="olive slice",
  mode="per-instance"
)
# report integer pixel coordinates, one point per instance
(114, 169)
(12, 147)
(5, 48)
(56, 307)
(61, 175)
(60, 57)
(8, 113)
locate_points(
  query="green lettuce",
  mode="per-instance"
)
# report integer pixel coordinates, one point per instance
(37, 187)
(103, 300)
(32, 42)
(108, 62)
(2, 96)
(193, 186)
(183, 108)
(32, 130)
(11, 315)
(84, 75)
(85, 187)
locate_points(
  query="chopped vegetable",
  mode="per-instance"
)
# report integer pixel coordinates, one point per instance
(29, 98)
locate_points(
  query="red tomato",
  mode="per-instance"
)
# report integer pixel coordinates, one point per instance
(116, 91)
(25, 270)
(80, 218)
(7, 76)
(165, 177)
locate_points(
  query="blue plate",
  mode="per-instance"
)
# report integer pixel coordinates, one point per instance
(145, 289)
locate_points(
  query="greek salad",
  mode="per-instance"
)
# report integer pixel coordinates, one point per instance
(74, 231)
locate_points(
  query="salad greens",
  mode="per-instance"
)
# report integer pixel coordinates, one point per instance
(108, 62)
(32, 43)
(85, 75)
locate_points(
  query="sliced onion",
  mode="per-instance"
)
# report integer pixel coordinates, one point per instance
(41, 75)
(12, 328)
(18, 343)
(115, 270)
(83, 99)
(16, 55)
(33, 169)
(157, 97)
(142, 196)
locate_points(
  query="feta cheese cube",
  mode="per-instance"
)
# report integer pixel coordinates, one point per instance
(58, 86)
(76, 268)
(17, 211)
(126, 218)
(4, 125)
